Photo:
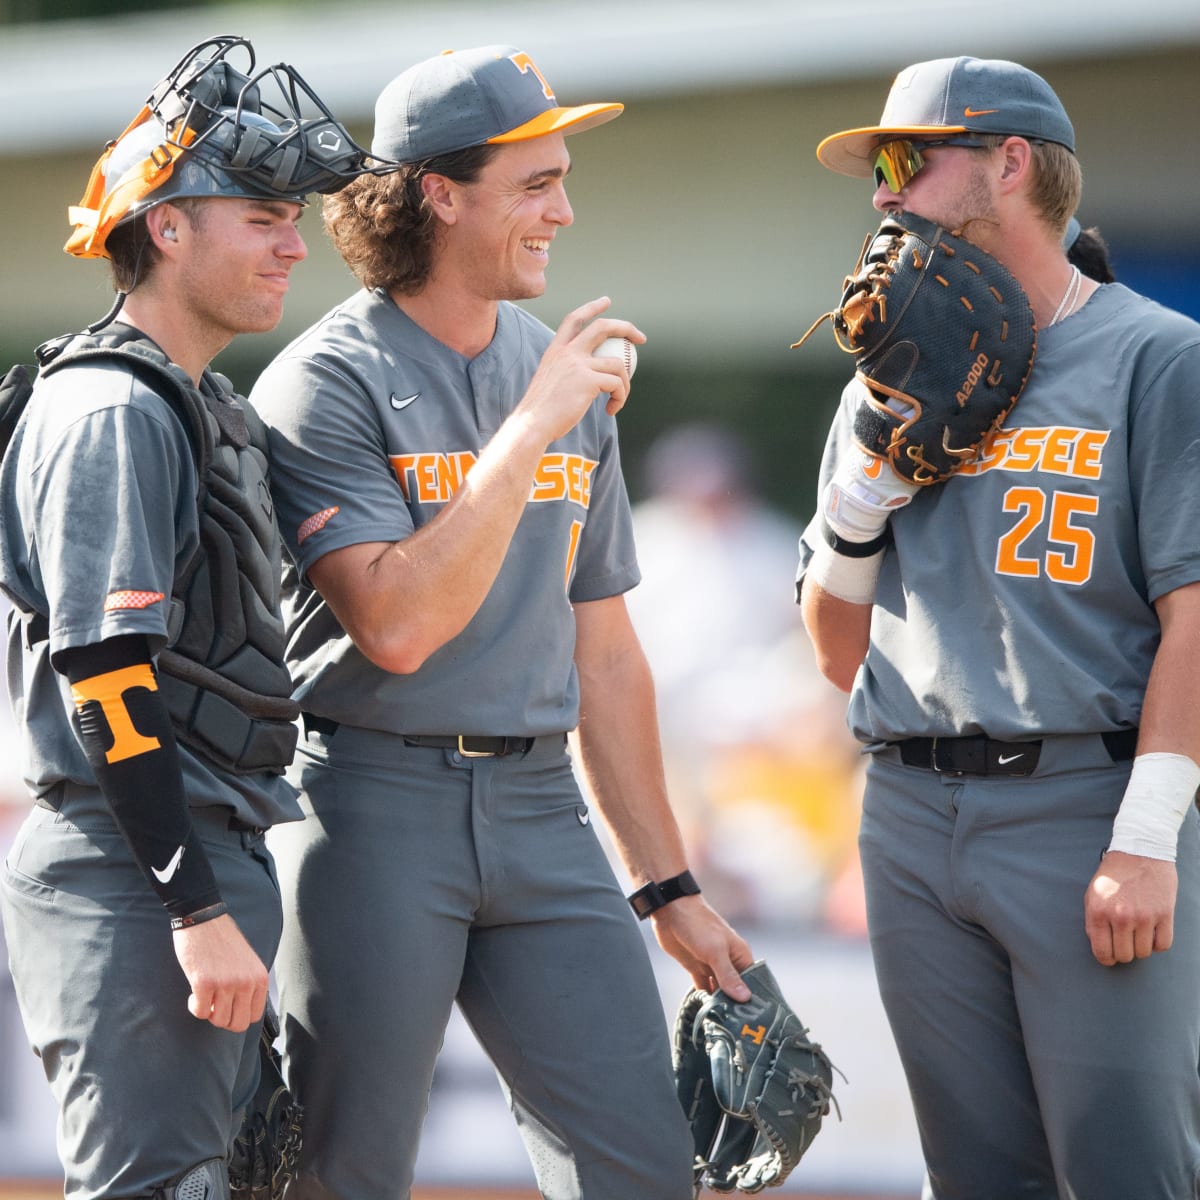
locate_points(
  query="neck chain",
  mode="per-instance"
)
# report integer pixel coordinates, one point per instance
(1067, 304)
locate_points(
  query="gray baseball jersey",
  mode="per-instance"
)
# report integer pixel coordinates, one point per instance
(373, 425)
(96, 524)
(1017, 598)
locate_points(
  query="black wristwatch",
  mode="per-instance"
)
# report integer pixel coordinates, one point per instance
(653, 896)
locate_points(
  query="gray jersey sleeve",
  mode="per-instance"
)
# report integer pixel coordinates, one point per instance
(335, 486)
(606, 563)
(107, 477)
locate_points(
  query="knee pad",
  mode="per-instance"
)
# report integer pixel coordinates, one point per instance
(208, 1180)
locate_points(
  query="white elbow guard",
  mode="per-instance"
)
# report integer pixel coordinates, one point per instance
(855, 507)
(1161, 788)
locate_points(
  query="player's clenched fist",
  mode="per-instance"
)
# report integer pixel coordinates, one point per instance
(228, 979)
(1129, 908)
(570, 375)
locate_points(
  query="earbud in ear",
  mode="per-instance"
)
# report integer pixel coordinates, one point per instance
(170, 235)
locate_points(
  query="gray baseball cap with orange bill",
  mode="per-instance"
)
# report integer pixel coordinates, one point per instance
(949, 96)
(463, 98)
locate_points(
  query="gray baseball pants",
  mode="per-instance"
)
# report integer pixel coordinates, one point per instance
(1034, 1071)
(421, 878)
(145, 1090)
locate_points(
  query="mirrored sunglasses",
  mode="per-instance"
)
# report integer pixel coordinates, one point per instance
(897, 162)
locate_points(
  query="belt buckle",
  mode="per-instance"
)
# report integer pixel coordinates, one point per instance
(473, 753)
(933, 758)
(933, 761)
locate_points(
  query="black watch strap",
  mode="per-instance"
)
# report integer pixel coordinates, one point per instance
(653, 896)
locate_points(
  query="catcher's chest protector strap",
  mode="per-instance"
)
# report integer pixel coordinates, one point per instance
(223, 675)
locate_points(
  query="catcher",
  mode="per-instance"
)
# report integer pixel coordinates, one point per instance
(754, 1088)
(1012, 597)
(146, 647)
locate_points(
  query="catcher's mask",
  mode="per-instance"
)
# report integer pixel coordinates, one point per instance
(210, 129)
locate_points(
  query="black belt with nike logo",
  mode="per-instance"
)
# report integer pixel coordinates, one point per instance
(981, 755)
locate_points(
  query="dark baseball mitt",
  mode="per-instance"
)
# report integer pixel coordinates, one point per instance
(267, 1147)
(753, 1086)
(945, 341)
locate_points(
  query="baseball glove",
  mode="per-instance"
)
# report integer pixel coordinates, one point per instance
(754, 1088)
(945, 340)
(267, 1147)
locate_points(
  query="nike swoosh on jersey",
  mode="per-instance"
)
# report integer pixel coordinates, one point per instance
(399, 404)
(168, 872)
(583, 815)
(1003, 759)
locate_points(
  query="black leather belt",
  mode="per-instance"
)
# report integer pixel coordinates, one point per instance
(472, 747)
(468, 745)
(980, 755)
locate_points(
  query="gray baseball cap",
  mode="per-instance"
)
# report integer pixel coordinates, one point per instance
(951, 96)
(467, 98)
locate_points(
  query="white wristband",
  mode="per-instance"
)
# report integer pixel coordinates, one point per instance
(850, 579)
(1161, 788)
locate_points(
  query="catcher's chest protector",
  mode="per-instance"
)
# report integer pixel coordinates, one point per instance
(222, 676)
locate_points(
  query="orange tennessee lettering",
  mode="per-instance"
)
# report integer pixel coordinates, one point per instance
(755, 1035)
(524, 63)
(108, 690)
(563, 477)
(1056, 450)
(432, 478)
(1087, 452)
(1024, 450)
(548, 478)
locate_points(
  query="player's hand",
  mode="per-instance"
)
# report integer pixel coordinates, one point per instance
(227, 978)
(1129, 908)
(704, 945)
(569, 376)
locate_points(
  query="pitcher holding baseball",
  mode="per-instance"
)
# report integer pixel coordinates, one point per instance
(448, 480)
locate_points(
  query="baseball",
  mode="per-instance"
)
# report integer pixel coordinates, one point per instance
(617, 347)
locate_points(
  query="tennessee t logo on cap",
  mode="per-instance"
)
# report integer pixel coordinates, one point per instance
(463, 98)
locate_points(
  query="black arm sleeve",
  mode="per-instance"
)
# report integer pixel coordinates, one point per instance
(123, 726)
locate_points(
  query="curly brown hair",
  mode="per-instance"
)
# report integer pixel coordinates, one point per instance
(383, 226)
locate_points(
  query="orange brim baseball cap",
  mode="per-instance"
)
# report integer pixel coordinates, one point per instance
(469, 98)
(950, 96)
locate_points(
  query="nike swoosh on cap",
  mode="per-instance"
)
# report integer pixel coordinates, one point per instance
(399, 404)
(166, 874)
(978, 112)
(1007, 758)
